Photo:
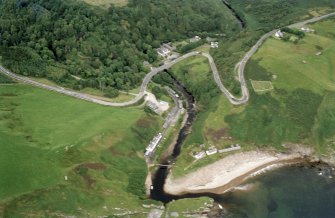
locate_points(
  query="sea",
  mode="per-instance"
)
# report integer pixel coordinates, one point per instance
(289, 192)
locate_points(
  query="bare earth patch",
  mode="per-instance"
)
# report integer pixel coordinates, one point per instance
(145, 122)
(82, 170)
(216, 135)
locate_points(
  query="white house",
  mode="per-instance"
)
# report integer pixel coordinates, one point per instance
(212, 150)
(200, 155)
(162, 51)
(214, 44)
(279, 34)
(153, 144)
(195, 39)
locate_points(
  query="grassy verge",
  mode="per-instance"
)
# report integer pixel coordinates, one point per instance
(122, 97)
(5, 80)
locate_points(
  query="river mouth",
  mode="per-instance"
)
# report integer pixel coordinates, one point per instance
(159, 177)
(157, 193)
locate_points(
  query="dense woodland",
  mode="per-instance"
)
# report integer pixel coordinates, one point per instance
(267, 15)
(81, 46)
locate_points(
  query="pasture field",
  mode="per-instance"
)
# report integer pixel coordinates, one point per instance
(304, 81)
(297, 65)
(196, 68)
(45, 136)
(299, 109)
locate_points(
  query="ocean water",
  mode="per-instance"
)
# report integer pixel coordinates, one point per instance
(290, 192)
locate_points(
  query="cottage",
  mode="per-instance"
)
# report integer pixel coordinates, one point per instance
(162, 51)
(152, 105)
(153, 144)
(231, 148)
(214, 44)
(200, 155)
(212, 150)
(279, 34)
(195, 39)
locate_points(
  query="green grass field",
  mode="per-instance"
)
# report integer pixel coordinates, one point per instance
(303, 81)
(298, 109)
(286, 62)
(45, 136)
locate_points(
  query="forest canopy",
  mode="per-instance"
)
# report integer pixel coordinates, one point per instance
(82, 46)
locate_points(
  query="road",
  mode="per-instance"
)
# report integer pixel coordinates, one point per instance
(234, 100)
(85, 97)
(241, 65)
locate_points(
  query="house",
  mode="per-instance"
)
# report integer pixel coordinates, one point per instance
(214, 44)
(168, 46)
(200, 155)
(153, 144)
(279, 34)
(212, 150)
(152, 106)
(231, 148)
(195, 39)
(162, 51)
(165, 49)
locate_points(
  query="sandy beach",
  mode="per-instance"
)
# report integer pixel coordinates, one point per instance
(229, 172)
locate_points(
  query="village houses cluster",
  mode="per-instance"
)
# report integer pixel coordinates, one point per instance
(167, 49)
(280, 34)
(213, 150)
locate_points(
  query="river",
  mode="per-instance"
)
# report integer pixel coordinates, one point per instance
(241, 21)
(160, 176)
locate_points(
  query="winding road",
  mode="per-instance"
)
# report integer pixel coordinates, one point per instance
(240, 69)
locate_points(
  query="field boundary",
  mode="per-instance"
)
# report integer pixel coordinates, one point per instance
(256, 85)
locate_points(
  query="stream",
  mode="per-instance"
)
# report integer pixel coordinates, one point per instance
(157, 193)
(241, 21)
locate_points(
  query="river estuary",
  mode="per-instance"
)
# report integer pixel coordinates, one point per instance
(289, 192)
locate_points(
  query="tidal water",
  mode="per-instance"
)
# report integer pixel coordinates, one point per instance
(290, 192)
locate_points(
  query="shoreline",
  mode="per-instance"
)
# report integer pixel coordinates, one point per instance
(230, 172)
